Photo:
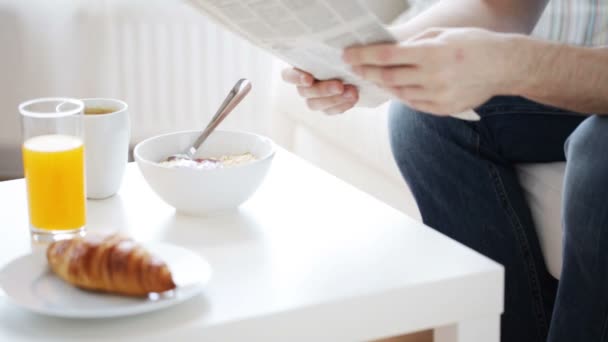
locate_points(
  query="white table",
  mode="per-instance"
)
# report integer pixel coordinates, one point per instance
(308, 258)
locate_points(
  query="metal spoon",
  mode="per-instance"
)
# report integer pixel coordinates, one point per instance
(238, 92)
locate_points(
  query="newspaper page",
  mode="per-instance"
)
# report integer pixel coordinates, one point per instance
(312, 34)
(309, 34)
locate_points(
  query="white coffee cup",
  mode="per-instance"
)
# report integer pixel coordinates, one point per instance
(106, 144)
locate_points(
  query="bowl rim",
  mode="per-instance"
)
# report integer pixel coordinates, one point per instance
(270, 155)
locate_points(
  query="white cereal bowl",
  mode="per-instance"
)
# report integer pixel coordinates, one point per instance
(198, 191)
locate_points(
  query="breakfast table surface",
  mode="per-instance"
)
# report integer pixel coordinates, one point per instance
(307, 258)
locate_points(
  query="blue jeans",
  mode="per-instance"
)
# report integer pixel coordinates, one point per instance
(463, 178)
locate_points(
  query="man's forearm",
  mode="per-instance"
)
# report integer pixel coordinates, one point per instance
(517, 16)
(569, 77)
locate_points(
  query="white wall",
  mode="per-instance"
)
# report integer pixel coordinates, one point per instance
(172, 65)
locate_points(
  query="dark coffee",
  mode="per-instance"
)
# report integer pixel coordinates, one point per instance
(98, 110)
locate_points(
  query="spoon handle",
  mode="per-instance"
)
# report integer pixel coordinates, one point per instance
(236, 95)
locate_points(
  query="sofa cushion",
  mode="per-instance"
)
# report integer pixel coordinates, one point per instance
(543, 184)
(363, 132)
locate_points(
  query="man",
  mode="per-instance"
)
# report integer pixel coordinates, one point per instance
(540, 102)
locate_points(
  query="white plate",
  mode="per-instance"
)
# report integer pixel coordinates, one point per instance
(29, 282)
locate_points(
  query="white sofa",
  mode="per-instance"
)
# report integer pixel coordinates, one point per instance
(354, 146)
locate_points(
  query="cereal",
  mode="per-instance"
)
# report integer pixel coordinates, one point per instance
(225, 161)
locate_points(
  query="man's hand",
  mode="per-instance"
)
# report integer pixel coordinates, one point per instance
(331, 97)
(441, 71)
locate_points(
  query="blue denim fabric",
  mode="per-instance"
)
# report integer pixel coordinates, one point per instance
(463, 178)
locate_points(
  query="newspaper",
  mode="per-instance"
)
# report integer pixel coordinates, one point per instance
(312, 34)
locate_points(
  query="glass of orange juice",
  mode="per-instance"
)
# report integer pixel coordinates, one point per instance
(53, 162)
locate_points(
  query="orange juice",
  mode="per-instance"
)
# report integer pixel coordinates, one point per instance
(54, 172)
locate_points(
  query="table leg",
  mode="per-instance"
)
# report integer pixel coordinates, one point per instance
(484, 329)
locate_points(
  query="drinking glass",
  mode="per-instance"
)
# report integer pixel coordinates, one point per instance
(53, 162)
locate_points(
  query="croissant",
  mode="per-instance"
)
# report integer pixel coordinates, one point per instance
(111, 263)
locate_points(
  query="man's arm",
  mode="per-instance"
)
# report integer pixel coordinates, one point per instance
(445, 71)
(333, 97)
(570, 77)
(515, 16)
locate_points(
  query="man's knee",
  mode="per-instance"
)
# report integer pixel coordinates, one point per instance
(588, 143)
(402, 127)
(417, 136)
(585, 185)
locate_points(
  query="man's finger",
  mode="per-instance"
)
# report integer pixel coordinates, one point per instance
(351, 92)
(339, 109)
(297, 77)
(322, 89)
(386, 54)
(323, 103)
(390, 76)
